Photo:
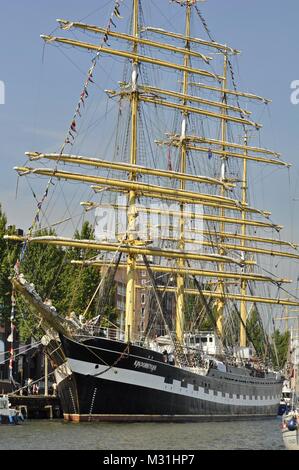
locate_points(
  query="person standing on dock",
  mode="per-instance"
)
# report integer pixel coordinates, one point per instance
(29, 383)
(54, 387)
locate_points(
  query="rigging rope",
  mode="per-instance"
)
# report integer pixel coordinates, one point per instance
(34, 346)
(32, 383)
(116, 260)
(202, 19)
(19, 349)
(72, 131)
(231, 69)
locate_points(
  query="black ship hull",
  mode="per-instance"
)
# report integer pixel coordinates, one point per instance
(105, 380)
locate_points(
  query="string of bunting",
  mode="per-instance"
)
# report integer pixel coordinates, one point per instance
(205, 25)
(235, 87)
(73, 128)
(10, 339)
(169, 162)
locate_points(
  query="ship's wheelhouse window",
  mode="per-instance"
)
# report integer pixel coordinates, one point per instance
(223, 394)
(215, 393)
(197, 340)
(238, 396)
(97, 366)
(211, 340)
(203, 340)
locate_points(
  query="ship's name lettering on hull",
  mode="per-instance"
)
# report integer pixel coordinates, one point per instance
(145, 365)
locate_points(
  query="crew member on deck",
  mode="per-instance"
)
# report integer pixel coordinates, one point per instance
(165, 356)
(171, 359)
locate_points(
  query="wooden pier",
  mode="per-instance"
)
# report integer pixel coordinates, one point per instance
(37, 406)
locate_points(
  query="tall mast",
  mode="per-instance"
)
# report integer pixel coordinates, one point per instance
(221, 203)
(220, 303)
(243, 309)
(180, 305)
(131, 263)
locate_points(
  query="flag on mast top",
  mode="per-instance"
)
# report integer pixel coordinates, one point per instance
(187, 2)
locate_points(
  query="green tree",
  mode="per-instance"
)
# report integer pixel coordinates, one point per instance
(196, 316)
(8, 257)
(281, 344)
(4, 271)
(256, 332)
(49, 268)
(79, 283)
(110, 311)
(41, 265)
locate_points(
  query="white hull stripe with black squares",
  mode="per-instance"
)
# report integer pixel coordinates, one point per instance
(155, 382)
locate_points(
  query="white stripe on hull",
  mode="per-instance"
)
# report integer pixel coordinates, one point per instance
(62, 372)
(156, 382)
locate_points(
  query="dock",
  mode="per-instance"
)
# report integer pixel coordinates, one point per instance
(37, 406)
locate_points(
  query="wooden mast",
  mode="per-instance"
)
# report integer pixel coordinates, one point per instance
(243, 306)
(180, 304)
(131, 263)
(222, 202)
(220, 302)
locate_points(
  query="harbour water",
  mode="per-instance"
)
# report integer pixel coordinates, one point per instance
(58, 435)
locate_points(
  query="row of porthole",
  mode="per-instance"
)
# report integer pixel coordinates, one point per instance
(208, 386)
(244, 381)
(231, 395)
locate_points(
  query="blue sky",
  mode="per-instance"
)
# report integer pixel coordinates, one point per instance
(42, 88)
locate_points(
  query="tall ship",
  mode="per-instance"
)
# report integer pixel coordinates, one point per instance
(170, 198)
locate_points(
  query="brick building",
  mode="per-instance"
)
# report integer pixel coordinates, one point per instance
(142, 299)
